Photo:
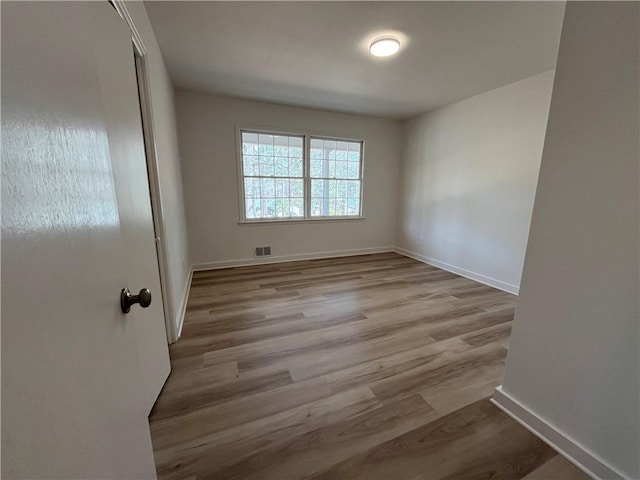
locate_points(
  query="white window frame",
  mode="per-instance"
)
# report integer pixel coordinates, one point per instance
(306, 176)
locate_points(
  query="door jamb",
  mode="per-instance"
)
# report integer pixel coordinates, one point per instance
(153, 171)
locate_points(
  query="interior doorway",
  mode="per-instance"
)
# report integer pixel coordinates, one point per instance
(146, 113)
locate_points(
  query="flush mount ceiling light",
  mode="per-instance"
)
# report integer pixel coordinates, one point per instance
(384, 47)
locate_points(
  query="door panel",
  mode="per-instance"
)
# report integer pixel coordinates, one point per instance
(122, 112)
(72, 406)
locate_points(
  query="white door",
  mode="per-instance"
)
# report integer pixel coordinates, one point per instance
(124, 125)
(72, 402)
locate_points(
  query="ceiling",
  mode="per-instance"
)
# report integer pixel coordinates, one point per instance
(315, 54)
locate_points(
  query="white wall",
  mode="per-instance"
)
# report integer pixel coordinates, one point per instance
(574, 358)
(206, 126)
(468, 180)
(170, 178)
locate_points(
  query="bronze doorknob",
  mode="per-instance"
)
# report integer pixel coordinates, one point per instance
(126, 299)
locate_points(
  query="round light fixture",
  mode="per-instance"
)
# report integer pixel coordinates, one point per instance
(384, 47)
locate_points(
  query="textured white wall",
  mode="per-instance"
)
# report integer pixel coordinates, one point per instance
(207, 130)
(574, 358)
(170, 177)
(468, 180)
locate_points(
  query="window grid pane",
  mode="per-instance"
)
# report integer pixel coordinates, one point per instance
(272, 169)
(331, 197)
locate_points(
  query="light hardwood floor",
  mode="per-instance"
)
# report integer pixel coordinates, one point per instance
(367, 367)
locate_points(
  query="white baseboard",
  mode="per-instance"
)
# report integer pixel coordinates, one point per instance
(244, 262)
(183, 307)
(478, 277)
(573, 451)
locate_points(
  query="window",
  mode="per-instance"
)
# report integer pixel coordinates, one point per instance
(335, 177)
(298, 177)
(273, 175)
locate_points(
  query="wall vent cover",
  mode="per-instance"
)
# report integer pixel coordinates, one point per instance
(262, 252)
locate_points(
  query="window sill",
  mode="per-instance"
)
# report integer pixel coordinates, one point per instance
(300, 220)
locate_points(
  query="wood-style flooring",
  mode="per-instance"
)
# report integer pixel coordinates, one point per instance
(367, 367)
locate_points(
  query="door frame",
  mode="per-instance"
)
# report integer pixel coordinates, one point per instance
(148, 130)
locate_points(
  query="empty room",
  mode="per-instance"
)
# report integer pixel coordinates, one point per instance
(320, 240)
